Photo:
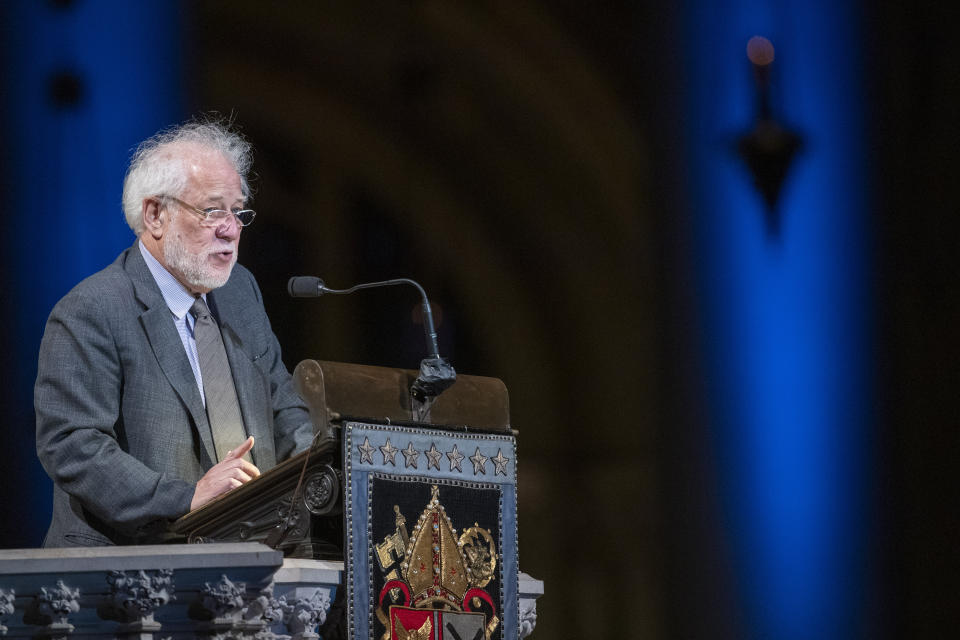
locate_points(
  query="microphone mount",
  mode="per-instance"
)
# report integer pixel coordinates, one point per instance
(436, 374)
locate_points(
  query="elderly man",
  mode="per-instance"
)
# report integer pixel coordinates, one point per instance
(160, 381)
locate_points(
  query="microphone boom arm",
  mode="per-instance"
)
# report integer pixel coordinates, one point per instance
(429, 331)
(436, 374)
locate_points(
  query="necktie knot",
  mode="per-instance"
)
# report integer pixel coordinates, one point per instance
(199, 310)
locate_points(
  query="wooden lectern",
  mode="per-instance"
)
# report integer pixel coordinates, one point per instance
(296, 507)
(415, 493)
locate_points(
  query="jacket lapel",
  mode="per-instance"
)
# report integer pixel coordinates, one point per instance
(168, 348)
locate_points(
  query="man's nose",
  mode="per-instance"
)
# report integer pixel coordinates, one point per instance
(229, 228)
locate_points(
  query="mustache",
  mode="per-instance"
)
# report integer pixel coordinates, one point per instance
(232, 246)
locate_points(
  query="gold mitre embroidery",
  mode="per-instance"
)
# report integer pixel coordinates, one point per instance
(435, 567)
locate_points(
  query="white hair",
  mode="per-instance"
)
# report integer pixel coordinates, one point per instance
(158, 165)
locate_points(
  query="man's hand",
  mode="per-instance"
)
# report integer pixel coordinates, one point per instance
(229, 473)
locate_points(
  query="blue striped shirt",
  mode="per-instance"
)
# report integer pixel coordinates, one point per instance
(179, 301)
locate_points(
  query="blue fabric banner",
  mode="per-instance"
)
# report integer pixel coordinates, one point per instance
(431, 528)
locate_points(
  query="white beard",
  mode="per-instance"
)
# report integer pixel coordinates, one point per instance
(195, 269)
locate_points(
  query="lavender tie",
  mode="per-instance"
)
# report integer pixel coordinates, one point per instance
(223, 409)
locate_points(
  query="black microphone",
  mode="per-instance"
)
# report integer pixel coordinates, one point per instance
(436, 374)
(305, 287)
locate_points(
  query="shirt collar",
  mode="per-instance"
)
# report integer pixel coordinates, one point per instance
(178, 298)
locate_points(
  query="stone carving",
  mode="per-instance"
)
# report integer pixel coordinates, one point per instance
(220, 609)
(260, 614)
(264, 607)
(50, 609)
(224, 600)
(134, 598)
(59, 602)
(528, 619)
(304, 615)
(7, 598)
(208, 605)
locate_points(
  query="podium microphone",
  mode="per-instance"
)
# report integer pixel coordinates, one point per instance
(436, 374)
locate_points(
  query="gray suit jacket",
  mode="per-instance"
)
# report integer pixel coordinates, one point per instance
(121, 426)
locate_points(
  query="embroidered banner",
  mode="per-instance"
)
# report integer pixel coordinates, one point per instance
(431, 527)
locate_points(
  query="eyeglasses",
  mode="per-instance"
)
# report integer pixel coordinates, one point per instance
(213, 217)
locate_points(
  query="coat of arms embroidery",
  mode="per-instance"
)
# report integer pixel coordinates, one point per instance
(435, 579)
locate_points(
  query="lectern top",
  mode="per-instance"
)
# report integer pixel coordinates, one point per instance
(334, 390)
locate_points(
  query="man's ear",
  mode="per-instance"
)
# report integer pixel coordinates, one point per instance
(155, 217)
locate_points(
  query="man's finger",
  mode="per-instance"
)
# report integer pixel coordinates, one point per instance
(238, 474)
(240, 451)
(249, 468)
(239, 463)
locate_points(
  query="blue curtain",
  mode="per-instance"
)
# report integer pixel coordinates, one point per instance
(785, 326)
(83, 83)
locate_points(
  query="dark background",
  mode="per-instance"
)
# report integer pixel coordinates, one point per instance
(542, 169)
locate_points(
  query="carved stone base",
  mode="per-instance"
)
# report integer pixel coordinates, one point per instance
(55, 631)
(138, 630)
(241, 591)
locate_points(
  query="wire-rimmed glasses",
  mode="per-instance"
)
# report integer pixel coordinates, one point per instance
(213, 217)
